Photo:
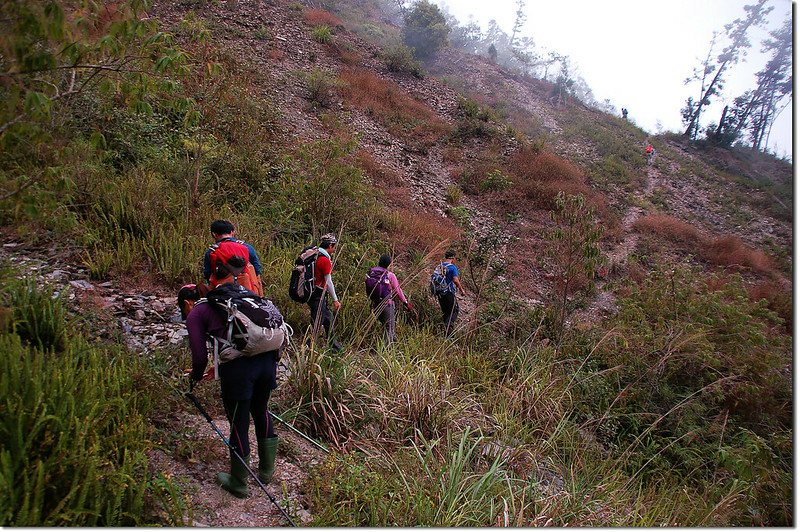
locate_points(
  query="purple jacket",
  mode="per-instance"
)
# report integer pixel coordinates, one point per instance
(203, 320)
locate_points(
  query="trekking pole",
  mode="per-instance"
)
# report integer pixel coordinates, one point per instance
(203, 412)
(304, 436)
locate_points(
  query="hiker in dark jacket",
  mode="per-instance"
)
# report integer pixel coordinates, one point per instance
(323, 285)
(448, 302)
(386, 309)
(246, 383)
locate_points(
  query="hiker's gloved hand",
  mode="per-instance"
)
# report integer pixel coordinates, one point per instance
(337, 305)
(408, 306)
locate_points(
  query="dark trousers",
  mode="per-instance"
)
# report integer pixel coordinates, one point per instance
(246, 384)
(388, 318)
(449, 306)
(320, 314)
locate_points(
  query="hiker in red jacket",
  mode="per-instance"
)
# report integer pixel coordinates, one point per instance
(216, 269)
(323, 285)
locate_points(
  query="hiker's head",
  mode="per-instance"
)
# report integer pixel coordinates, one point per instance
(328, 241)
(220, 228)
(384, 261)
(449, 255)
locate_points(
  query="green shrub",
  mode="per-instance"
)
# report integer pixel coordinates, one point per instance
(460, 214)
(400, 58)
(495, 181)
(262, 33)
(321, 88)
(322, 34)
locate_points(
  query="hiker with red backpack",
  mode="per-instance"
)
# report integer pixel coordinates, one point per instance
(229, 259)
(382, 289)
(444, 285)
(323, 285)
(247, 332)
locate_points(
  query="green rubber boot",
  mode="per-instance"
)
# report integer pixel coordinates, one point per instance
(235, 482)
(267, 450)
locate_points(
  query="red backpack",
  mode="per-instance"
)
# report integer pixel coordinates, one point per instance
(230, 258)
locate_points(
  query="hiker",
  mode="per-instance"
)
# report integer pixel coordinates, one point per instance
(651, 152)
(624, 113)
(217, 269)
(323, 285)
(382, 289)
(246, 383)
(446, 287)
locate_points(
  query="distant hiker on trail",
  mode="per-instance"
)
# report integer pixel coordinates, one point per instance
(651, 153)
(382, 289)
(323, 285)
(624, 113)
(229, 259)
(444, 284)
(246, 381)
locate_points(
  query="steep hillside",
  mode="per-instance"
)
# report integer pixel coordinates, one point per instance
(649, 385)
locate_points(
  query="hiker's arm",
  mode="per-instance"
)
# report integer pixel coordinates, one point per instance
(197, 327)
(395, 285)
(207, 265)
(457, 282)
(329, 286)
(254, 258)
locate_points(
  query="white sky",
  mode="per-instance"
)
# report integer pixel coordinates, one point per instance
(637, 54)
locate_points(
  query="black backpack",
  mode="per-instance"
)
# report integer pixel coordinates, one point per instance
(301, 283)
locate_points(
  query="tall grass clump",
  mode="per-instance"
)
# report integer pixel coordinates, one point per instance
(444, 482)
(321, 388)
(39, 313)
(74, 436)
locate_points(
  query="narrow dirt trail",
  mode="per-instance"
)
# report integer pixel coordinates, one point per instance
(604, 302)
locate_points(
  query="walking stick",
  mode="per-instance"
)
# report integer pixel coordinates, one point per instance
(203, 412)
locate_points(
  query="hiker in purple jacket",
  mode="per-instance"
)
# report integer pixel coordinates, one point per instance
(385, 307)
(246, 384)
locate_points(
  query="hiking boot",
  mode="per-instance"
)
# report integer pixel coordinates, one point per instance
(235, 482)
(267, 450)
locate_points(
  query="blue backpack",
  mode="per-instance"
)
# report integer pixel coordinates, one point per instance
(438, 284)
(377, 285)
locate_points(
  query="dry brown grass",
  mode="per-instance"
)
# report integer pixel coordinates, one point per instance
(403, 115)
(727, 251)
(275, 55)
(668, 227)
(414, 230)
(731, 251)
(541, 175)
(320, 17)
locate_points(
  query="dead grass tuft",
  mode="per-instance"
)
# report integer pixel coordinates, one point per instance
(402, 115)
(668, 227)
(275, 55)
(731, 251)
(320, 17)
(414, 230)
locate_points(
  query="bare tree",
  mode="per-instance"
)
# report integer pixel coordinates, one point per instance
(519, 21)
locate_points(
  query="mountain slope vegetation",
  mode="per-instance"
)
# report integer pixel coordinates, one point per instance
(623, 357)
